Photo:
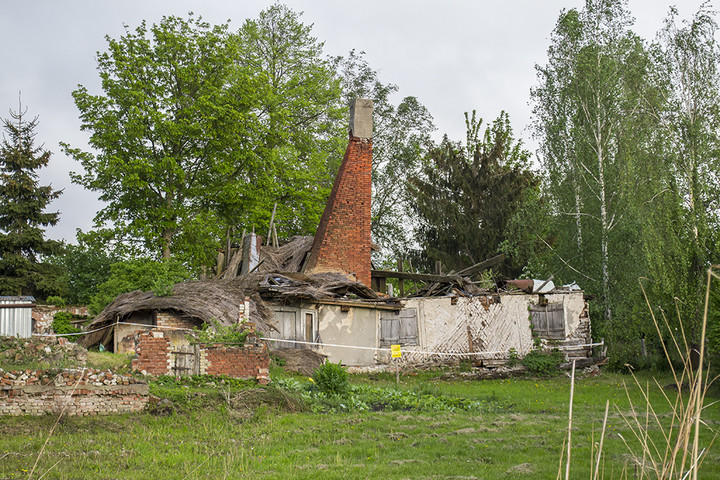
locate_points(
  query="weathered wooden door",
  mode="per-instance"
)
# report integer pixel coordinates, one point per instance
(186, 361)
(549, 320)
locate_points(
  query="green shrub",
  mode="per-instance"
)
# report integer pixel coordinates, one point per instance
(331, 379)
(513, 357)
(215, 332)
(543, 363)
(55, 300)
(61, 323)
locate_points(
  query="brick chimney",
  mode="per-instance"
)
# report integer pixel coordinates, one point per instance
(342, 240)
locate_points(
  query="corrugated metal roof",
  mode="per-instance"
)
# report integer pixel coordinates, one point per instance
(16, 299)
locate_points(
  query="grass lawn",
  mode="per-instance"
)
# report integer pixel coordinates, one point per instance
(519, 435)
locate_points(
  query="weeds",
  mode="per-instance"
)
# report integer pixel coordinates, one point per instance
(663, 445)
(543, 364)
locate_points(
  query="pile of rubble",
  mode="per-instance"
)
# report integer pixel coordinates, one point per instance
(69, 378)
(54, 351)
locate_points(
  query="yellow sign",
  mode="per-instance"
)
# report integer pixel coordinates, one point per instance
(395, 351)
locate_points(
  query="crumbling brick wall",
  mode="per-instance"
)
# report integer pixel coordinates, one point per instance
(156, 356)
(43, 315)
(74, 392)
(248, 361)
(153, 353)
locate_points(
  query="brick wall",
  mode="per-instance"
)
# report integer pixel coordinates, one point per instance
(43, 315)
(76, 392)
(342, 240)
(156, 356)
(171, 319)
(248, 361)
(153, 353)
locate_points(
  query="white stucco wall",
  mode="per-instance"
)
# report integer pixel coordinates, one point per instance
(356, 327)
(489, 324)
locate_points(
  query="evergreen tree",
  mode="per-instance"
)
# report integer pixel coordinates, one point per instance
(22, 212)
(464, 196)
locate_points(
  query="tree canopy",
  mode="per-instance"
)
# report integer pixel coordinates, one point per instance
(465, 195)
(166, 130)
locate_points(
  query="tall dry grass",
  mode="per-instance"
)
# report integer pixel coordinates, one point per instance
(677, 453)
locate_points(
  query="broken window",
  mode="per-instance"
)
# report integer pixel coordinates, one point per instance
(399, 327)
(548, 320)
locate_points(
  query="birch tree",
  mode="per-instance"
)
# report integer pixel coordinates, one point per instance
(683, 224)
(585, 106)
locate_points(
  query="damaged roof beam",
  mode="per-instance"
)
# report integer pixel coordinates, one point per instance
(423, 277)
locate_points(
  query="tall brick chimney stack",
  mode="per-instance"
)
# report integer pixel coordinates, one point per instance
(342, 241)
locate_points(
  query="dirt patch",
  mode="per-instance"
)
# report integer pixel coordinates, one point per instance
(523, 468)
(409, 460)
(300, 360)
(465, 431)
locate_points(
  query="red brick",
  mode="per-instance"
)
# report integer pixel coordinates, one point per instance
(342, 240)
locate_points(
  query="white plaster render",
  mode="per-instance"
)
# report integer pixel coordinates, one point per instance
(573, 305)
(356, 327)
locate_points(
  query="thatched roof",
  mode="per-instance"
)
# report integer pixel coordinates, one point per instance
(219, 300)
(286, 258)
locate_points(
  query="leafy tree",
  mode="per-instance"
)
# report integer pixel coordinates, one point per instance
(173, 130)
(86, 266)
(23, 218)
(465, 195)
(302, 122)
(683, 224)
(138, 274)
(401, 133)
(591, 118)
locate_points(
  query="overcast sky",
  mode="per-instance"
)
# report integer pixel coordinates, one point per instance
(454, 56)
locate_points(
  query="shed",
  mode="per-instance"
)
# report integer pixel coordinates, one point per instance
(16, 315)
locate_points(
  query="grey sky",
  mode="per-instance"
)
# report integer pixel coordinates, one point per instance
(454, 55)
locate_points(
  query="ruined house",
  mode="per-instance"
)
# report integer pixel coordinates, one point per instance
(321, 293)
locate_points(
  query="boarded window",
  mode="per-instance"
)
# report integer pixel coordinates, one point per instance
(399, 328)
(287, 321)
(548, 320)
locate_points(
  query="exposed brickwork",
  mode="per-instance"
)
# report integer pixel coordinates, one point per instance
(171, 319)
(127, 335)
(250, 361)
(76, 392)
(155, 355)
(342, 240)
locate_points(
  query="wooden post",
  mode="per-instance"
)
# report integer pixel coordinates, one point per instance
(401, 282)
(272, 220)
(438, 267)
(397, 371)
(570, 417)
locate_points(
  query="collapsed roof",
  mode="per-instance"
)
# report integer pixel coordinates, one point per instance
(220, 300)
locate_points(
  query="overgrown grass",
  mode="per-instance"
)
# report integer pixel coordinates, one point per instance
(252, 432)
(117, 362)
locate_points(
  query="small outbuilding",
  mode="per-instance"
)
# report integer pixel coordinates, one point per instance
(16, 315)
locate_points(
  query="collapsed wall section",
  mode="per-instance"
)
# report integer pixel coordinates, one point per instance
(158, 355)
(72, 392)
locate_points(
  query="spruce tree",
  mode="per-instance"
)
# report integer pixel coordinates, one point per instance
(22, 212)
